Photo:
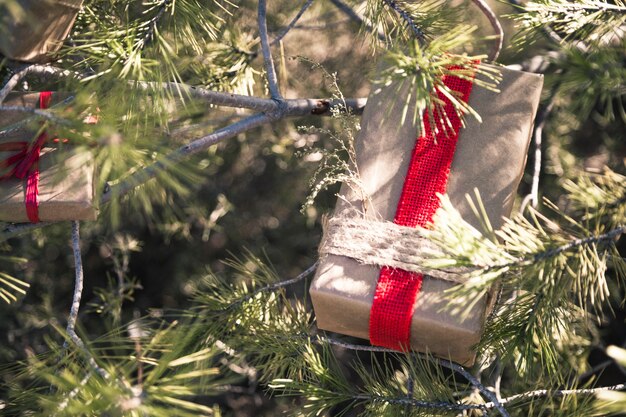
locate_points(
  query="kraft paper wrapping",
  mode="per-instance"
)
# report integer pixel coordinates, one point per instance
(490, 156)
(66, 179)
(39, 29)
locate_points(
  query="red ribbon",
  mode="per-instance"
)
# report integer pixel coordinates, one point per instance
(25, 163)
(397, 290)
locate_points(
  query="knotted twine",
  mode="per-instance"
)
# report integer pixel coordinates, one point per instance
(383, 243)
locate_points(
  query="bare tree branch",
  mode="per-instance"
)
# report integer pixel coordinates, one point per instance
(198, 145)
(348, 11)
(12, 82)
(37, 112)
(17, 76)
(293, 107)
(610, 235)
(420, 403)
(495, 24)
(557, 393)
(293, 22)
(274, 286)
(540, 123)
(538, 136)
(78, 292)
(272, 80)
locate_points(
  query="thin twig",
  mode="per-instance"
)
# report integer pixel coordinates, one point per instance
(499, 370)
(599, 367)
(418, 403)
(152, 24)
(293, 107)
(441, 362)
(297, 107)
(557, 393)
(73, 393)
(533, 197)
(538, 142)
(293, 22)
(610, 235)
(78, 285)
(272, 80)
(495, 24)
(274, 286)
(139, 177)
(78, 292)
(348, 11)
(13, 80)
(37, 112)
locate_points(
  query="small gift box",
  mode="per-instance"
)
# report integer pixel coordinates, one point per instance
(37, 29)
(41, 181)
(401, 178)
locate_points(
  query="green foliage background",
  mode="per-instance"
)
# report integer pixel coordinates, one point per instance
(168, 241)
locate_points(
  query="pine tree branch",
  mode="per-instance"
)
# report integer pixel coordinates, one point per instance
(610, 235)
(37, 112)
(541, 393)
(594, 6)
(22, 71)
(78, 292)
(272, 80)
(420, 403)
(296, 107)
(293, 107)
(273, 286)
(419, 34)
(140, 177)
(18, 75)
(441, 362)
(348, 11)
(78, 285)
(293, 22)
(152, 24)
(73, 393)
(12, 82)
(550, 253)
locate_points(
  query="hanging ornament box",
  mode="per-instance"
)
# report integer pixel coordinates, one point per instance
(34, 29)
(42, 178)
(401, 177)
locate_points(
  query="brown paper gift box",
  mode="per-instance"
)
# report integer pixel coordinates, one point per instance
(490, 156)
(66, 181)
(39, 30)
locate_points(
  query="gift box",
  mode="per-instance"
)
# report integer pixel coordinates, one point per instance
(65, 177)
(375, 301)
(38, 29)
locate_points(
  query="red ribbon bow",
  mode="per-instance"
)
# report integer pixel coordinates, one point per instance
(25, 163)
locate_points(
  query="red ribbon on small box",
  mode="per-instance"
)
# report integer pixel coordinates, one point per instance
(25, 163)
(397, 290)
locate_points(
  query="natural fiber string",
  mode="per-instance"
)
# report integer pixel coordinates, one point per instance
(383, 243)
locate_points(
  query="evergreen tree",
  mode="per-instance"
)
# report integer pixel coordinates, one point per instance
(202, 174)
